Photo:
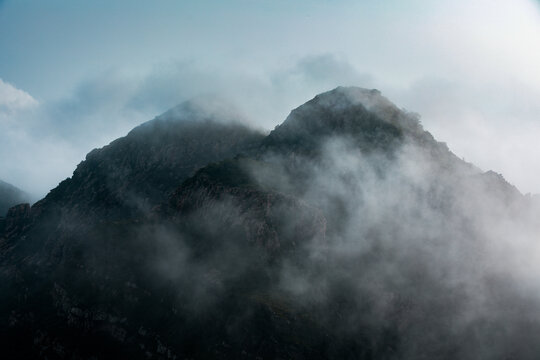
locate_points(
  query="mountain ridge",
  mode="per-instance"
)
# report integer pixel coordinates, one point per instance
(347, 232)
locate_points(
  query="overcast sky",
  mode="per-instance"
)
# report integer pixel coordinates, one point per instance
(75, 75)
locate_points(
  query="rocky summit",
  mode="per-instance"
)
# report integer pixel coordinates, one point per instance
(347, 232)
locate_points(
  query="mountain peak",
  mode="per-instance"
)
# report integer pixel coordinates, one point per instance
(204, 107)
(345, 96)
(372, 100)
(362, 114)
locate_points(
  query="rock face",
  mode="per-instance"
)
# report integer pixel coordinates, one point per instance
(223, 194)
(347, 232)
(10, 196)
(139, 171)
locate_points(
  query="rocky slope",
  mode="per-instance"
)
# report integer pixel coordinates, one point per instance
(347, 232)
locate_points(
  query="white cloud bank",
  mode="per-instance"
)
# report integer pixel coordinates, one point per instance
(13, 99)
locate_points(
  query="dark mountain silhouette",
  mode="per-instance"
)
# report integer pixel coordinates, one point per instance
(10, 196)
(347, 232)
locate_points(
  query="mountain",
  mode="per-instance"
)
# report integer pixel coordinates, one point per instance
(10, 196)
(346, 232)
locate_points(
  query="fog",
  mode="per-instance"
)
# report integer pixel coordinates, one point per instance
(436, 251)
(411, 252)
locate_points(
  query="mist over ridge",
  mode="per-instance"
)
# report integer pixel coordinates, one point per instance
(348, 231)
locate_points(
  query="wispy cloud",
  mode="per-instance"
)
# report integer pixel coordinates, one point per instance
(13, 99)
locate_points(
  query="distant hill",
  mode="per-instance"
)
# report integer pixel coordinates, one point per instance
(10, 196)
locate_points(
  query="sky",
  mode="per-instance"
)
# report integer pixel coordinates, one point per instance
(75, 75)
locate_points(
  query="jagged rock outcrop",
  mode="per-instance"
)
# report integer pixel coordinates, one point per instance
(15, 221)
